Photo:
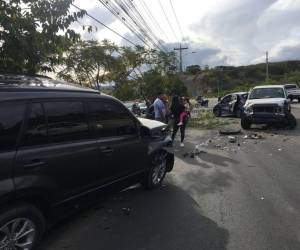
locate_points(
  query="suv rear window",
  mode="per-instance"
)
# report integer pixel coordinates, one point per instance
(11, 118)
(66, 121)
(110, 119)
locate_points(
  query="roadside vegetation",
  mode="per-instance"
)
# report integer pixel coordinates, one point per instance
(205, 119)
(37, 37)
(227, 79)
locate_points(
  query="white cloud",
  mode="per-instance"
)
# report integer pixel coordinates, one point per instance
(221, 31)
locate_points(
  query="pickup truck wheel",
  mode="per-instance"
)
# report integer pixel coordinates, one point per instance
(245, 123)
(291, 121)
(157, 172)
(217, 112)
(21, 227)
(298, 99)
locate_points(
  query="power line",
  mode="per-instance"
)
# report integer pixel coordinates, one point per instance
(98, 21)
(143, 22)
(173, 31)
(131, 11)
(116, 13)
(116, 7)
(176, 18)
(153, 19)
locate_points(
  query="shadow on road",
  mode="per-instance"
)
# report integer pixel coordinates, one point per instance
(207, 159)
(167, 218)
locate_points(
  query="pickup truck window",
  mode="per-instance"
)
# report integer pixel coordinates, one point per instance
(291, 86)
(267, 93)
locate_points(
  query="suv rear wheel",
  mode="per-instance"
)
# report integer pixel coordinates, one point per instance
(21, 227)
(157, 172)
(245, 123)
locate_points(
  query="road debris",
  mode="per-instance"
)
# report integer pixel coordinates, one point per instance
(253, 136)
(229, 131)
(232, 139)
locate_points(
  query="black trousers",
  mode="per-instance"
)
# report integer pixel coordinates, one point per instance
(182, 130)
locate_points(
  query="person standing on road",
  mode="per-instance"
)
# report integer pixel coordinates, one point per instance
(177, 108)
(159, 108)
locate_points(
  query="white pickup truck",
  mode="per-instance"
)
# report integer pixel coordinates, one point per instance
(268, 105)
(292, 91)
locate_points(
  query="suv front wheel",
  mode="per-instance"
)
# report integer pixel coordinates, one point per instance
(245, 123)
(291, 121)
(21, 227)
(157, 172)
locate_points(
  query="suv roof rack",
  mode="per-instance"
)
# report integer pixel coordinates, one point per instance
(38, 83)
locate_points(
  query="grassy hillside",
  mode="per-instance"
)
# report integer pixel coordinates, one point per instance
(224, 79)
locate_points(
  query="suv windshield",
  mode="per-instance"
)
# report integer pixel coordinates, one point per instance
(267, 93)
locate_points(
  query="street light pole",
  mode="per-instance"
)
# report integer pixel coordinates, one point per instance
(180, 56)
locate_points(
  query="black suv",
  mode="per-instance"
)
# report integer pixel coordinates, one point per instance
(60, 145)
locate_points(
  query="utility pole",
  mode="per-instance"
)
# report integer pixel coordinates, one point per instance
(267, 66)
(180, 56)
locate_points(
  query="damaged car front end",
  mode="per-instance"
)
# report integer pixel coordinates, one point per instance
(267, 105)
(162, 160)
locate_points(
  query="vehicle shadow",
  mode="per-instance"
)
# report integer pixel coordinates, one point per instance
(203, 159)
(167, 218)
(200, 182)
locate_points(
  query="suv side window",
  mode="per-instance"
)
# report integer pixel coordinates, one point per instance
(66, 121)
(11, 119)
(36, 131)
(108, 119)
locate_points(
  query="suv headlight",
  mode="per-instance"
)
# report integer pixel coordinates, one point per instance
(249, 110)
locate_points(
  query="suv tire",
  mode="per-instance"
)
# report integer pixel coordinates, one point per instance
(25, 222)
(245, 123)
(157, 172)
(298, 99)
(291, 121)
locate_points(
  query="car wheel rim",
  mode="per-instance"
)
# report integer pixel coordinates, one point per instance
(17, 234)
(159, 172)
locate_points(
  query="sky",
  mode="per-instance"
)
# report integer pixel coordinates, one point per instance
(216, 32)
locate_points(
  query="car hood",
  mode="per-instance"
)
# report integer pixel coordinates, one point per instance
(278, 101)
(151, 124)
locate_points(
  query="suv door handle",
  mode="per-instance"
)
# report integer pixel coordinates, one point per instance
(34, 164)
(106, 150)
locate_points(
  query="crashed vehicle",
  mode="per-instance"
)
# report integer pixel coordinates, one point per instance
(231, 105)
(292, 91)
(268, 105)
(61, 146)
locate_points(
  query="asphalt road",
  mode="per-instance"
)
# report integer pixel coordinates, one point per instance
(243, 195)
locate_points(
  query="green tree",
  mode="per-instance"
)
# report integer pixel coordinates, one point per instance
(89, 63)
(34, 34)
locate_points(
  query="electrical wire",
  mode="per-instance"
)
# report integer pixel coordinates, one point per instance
(168, 20)
(134, 14)
(138, 21)
(177, 20)
(153, 19)
(98, 21)
(110, 7)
